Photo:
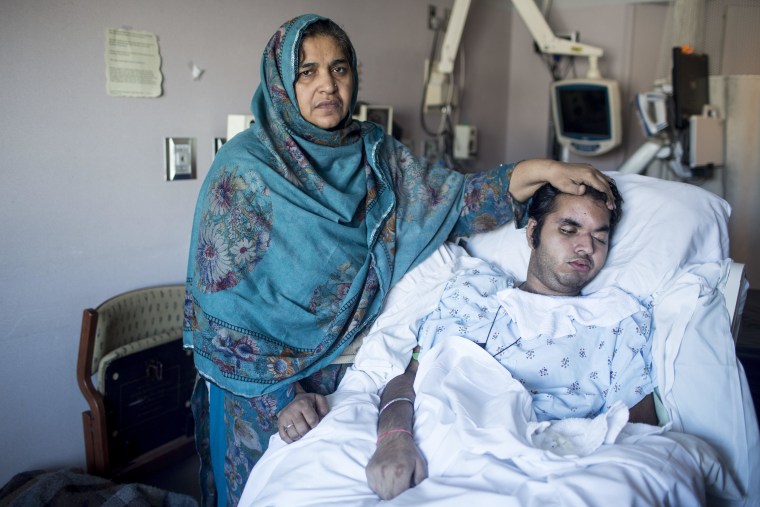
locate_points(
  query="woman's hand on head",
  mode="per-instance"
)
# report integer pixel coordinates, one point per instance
(301, 415)
(530, 175)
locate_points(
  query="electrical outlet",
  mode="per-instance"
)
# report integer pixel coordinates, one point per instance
(180, 158)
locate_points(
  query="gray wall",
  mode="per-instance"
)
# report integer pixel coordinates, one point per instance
(86, 213)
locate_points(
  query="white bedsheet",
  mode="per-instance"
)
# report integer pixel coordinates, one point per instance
(474, 424)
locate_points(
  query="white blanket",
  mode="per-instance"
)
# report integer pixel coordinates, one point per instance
(475, 426)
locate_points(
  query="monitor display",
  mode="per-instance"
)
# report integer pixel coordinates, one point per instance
(586, 114)
(690, 85)
(382, 115)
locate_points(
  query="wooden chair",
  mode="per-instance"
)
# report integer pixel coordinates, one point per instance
(138, 381)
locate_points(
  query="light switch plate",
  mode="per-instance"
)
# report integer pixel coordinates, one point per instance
(180, 158)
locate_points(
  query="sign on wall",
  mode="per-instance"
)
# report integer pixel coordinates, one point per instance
(133, 64)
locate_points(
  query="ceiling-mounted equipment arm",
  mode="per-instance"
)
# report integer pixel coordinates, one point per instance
(453, 36)
(549, 43)
(439, 86)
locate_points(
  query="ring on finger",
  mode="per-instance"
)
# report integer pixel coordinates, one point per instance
(286, 428)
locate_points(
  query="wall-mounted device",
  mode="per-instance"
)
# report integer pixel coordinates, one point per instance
(382, 115)
(706, 139)
(237, 123)
(586, 114)
(652, 110)
(465, 142)
(689, 135)
(690, 85)
(180, 158)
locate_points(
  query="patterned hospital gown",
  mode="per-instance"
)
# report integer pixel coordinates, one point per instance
(575, 355)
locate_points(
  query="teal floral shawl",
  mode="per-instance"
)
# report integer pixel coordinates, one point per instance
(300, 232)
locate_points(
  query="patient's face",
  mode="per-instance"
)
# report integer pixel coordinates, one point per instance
(574, 242)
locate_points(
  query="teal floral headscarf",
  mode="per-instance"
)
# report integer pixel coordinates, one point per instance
(300, 232)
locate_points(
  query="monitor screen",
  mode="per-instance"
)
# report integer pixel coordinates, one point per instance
(382, 115)
(690, 85)
(584, 111)
(586, 114)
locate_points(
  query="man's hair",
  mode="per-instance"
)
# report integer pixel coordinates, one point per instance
(331, 29)
(544, 202)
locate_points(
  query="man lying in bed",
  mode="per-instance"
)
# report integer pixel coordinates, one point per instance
(573, 367)
(483, 430)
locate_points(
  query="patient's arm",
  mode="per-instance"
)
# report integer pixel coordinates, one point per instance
(397, 464)
(301, 415)
(644, 411)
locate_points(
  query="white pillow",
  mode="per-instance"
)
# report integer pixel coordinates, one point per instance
(666, 225)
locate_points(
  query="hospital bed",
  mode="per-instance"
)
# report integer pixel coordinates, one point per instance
(470, 419)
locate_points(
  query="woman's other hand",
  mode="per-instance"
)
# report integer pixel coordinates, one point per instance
(396, 466)
(301, 415)
(529, 175)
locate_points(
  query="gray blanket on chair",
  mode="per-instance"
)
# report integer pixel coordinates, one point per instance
(73, 487)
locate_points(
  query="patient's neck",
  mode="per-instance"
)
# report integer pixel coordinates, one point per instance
(526, 286)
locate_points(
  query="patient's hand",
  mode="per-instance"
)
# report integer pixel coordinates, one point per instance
(396, 466)
(301, 415)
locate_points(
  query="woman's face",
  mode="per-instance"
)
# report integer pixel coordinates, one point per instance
(325, 83)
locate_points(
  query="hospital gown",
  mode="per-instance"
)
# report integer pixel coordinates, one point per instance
(575, 355)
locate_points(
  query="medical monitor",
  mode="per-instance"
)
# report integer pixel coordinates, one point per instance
(586, 114)
(382, 115)
(690, 85)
